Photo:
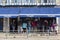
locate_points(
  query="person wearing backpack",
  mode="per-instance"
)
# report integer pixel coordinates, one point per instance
(24, 26)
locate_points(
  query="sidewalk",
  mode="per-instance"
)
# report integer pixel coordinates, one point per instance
(3, 36)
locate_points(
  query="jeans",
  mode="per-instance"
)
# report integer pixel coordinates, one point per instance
(19, 29)
(13, 28)
(29, 29)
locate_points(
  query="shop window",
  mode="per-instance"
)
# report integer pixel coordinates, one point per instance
(33, 1)
(39, 1)
(45, 1)
(14, 1)
(25, 1)
(49, 1)
(0, 1)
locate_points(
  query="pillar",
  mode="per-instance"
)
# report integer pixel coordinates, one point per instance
(6, 24)
(57, 21)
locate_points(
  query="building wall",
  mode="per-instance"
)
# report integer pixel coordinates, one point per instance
(6, 27)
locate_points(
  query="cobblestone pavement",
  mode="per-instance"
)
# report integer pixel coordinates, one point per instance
(8, 36)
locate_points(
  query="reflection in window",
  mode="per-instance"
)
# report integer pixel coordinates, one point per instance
(39, 1)
(45, 1)
(53, 1)
(4, 1)
(25, 1)
(14, 1)
(19, 1)
(49, 1)
(32, 1)
(0, 1)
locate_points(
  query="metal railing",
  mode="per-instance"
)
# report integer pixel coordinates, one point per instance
(29, 2)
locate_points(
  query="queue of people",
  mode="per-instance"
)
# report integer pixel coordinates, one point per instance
(36, 26)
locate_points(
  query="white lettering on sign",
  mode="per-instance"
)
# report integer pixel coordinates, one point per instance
(51, 15)
(29, 15)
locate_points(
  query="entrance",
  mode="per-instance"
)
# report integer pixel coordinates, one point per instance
(6, 24)
(13, 24)
(47, 22)
(1, 24)
(40, 21)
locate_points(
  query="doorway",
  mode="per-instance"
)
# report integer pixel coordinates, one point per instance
(13, 24)
(1, 24)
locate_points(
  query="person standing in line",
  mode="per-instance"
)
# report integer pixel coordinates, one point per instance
(54, 27)
(13, 26)
(34, 26)
(50, 23)
(29, 26)
(19, 27)
(24, 26)
(38, 25)
(46, 25)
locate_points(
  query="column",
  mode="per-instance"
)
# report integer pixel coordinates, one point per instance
(6, 27)
(57, 21)
(18, 19)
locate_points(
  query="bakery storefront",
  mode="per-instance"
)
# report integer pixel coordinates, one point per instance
(14, 15)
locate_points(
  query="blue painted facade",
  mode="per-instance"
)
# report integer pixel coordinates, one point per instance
(9, 10)
(32, 10)
(40, 11)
